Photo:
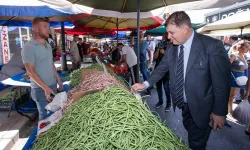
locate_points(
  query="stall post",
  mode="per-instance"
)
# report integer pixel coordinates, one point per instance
(63, 56)
(138, 41)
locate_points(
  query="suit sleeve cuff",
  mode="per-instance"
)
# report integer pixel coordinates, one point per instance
(146, 83)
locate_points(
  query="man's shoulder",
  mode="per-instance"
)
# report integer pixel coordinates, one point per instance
(207, 39)
(29, 45)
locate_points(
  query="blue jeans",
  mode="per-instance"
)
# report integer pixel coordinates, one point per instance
(39, 97)
(144, 70)
(165, 83)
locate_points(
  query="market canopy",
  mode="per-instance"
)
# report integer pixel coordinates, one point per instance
(127, 5)
(22, 12)
(86, 31)
(239, 20)
(116, 24)
(162, 29)
(117, 8)
(199, 5)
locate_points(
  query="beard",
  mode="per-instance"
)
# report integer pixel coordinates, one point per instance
(44, 35)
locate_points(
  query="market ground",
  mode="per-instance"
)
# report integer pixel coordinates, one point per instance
(224, 139)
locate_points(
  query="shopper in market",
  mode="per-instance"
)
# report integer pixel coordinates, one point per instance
(74, 53)
(128, 56)
(229, 41)
(200, 78)
(164, 82)
(239, 68)
(152, 50)
(79, 45)
(38, 61)
(85, 46)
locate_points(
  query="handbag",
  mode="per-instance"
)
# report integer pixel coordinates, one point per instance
(240, 81)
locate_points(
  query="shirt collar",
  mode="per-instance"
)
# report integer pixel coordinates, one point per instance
(34, 42)
(188, 43)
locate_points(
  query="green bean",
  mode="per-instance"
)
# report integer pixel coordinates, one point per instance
(111, 119)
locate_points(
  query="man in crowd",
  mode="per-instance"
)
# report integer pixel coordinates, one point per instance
(85, 47)
(152, 50)
(128, 56)
(229, 42)
(38, 61)
(164, 82)
(144, 50)
(79, 45)
(74, 53)
(200, 77)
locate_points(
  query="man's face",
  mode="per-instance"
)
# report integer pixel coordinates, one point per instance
(119, 47)
(85, 39)
(76, 38)
(148, 37)
(42, 28)
(80, 40)
(141, 35)
(177, 35)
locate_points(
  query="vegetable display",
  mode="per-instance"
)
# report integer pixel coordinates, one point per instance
(109, 120)
(92, 80)
(75, 76)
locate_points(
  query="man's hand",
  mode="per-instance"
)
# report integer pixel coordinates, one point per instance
(162, 51)
(49, 91)
(139, 87)
(218, 121)
(60, 88)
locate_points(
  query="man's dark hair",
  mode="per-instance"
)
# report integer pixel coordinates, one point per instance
(79, 38)
(234, 37)
(76, 35)
(179, 19)
(119, 44)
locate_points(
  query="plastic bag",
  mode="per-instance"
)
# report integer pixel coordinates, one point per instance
(58, 102)
(242, 112)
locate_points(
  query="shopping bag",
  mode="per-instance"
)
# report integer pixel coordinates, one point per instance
(242, 112)
(59, 101)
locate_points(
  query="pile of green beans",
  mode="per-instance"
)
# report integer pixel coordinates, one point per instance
(109, 120)
(75, 76)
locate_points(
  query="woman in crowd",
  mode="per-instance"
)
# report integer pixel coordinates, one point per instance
(239, 68)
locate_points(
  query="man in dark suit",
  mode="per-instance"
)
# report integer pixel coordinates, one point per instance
(200, 78)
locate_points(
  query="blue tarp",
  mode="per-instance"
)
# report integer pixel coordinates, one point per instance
(20, 12)
(31, 8)
(29, 24)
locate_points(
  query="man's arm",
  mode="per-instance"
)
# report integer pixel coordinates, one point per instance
(221, 78)
(161, 69)
(30, 68)
(157, 74)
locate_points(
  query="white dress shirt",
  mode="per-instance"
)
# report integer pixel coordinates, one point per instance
(187, 48)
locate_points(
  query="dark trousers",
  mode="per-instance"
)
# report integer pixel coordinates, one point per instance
(76, 66)
(197, 138)
(165, 83)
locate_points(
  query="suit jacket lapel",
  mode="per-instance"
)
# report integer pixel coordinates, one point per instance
(194, 52)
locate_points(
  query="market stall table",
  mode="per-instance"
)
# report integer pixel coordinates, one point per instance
(19, 81)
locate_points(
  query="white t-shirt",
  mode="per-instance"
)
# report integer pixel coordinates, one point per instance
(131, 58)
(152, 49)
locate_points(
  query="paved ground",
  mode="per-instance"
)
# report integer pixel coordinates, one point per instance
(225, 139)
